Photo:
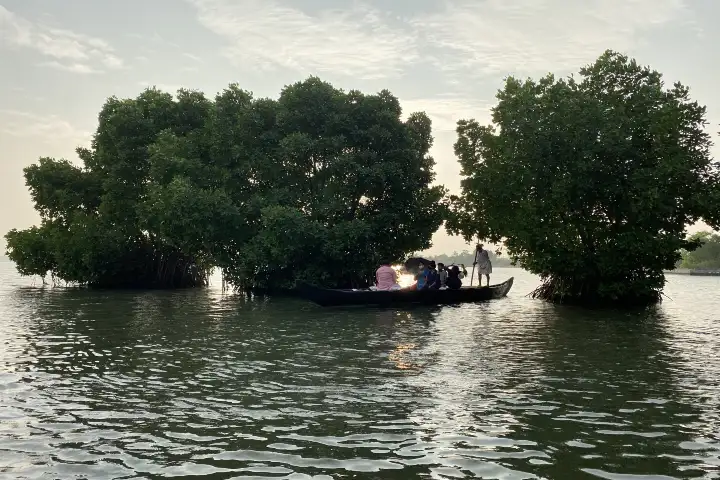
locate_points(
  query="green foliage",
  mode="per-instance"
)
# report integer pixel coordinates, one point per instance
(707, 255)
(319, 185)
(335, 182)
(31, 251)
(58, 187)
(590, 183)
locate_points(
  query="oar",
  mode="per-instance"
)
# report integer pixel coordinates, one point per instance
(474, 263)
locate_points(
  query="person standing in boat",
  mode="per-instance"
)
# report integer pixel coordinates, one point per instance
(482, 260)
(386, 278)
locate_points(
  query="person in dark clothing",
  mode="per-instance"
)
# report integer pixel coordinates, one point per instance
(453, 280)
(433, 278)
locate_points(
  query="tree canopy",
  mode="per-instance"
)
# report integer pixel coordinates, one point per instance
(706, 257)
(319, 184)
(589, 181)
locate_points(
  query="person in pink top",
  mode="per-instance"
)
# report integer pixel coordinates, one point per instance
(386, 278)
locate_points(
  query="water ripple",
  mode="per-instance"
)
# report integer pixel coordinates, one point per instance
(200, 384)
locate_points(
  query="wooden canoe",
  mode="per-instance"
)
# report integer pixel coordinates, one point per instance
(327, 297)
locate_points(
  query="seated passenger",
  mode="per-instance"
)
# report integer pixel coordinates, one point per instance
(421, 277)
(463, 271)
(443, 274)
(386, 278)
(453, 281)
(433, 277)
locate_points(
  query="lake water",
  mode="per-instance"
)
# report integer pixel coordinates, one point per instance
(200, 384)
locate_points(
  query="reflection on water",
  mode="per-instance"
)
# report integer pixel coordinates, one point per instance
(401, 354)
(196, 383)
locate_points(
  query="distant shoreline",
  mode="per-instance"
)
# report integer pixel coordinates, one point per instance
(691, 271)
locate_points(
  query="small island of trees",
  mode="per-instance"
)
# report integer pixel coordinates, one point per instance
(588, 182)
(318, 185)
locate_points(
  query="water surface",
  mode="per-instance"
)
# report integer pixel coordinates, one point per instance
(197, 384)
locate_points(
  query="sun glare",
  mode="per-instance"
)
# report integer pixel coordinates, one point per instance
(404, 278)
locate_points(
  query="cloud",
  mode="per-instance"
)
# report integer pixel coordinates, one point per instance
(192, 57)
(37, 127)
(113, 62)
(149, 44)
(154, 38)
(69, 50)
(355, 42)
(536, 36)
(489, 37)
(71, 67)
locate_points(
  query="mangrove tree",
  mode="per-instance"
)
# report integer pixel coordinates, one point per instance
(319, 184)
(589, 181)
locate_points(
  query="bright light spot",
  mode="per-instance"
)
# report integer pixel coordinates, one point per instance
(404, 279)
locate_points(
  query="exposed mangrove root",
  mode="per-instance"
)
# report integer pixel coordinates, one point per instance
(594, 293)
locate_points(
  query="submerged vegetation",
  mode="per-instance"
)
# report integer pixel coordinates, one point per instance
(589, 182)
(319, 184)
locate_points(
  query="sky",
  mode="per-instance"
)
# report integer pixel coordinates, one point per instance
(60, 60)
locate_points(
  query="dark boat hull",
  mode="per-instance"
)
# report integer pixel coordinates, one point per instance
(331, 298)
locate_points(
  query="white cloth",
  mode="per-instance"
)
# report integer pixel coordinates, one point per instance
(483, 263)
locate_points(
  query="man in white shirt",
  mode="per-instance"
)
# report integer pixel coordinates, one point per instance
(482, 260)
